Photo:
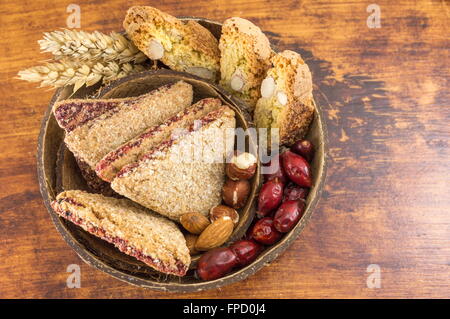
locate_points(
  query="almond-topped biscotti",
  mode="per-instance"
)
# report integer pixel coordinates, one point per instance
(135, 231)
(182, 46)
(185, 173)
(286, 102)
(245, 58)
(96, 127)
(133, 150)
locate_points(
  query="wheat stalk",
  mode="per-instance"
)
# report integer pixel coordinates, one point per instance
(66, 72)
(95, 46)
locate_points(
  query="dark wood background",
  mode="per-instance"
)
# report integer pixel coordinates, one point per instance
(385, 94)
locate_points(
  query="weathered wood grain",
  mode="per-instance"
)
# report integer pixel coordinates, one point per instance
(386, 97)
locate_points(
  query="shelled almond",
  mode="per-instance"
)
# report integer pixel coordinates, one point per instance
(215, 234)
(191, 239)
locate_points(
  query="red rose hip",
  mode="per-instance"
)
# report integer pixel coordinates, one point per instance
(288, 215)
(264, 232)
(246, 251)
(270, 197)
(216, 263)
(304, 148)
(275, 170)
(294, 192)
(297, 169)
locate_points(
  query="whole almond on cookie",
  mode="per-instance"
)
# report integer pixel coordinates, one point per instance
(215, 234)
(194, 223)
(237, 81)
(267, 87)
(155, 50)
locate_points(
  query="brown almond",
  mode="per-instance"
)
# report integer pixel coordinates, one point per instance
(222, 210)
(190, 243)
(215, 234)
(194, 223)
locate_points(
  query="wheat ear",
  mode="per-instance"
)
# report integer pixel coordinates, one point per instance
(66, 72)
(95, 46)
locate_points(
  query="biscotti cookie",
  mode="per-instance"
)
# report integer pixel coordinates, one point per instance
(286, 101)
(135, 231)
(96, 127)
(182, 46)
(244, 60)
(133, 150)
(94, 183)
(183, 174)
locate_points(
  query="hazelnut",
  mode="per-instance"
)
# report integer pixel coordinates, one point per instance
(222, 210)
(235, 193)
(194, 223)
(242, 166)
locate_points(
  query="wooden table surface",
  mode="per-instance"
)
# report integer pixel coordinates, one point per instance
(385, 95)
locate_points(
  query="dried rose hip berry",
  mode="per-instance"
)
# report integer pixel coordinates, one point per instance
(216, 263)
(297, 169)
(270, 196)
(246, 251)
(288, 215)
(276, 170)
(304, 148)
(294, 192)
(264, 232)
